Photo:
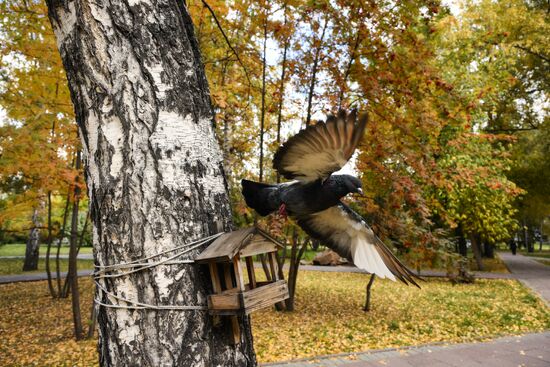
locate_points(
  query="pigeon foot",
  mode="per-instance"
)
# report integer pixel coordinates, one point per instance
(282, 211)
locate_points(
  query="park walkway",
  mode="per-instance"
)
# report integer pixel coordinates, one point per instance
(530, 272)
(529, 350)
(33, 277)
(80, 257)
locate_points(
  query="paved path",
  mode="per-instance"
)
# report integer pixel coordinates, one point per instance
(80, 256)
(33, 277)
(539, 258)
(531, 350)
(530, 272)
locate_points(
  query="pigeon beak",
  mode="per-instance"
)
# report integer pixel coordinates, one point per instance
(360, 191)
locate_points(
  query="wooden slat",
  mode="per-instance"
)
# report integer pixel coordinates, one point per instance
(267, 272)
(274, 268)
(227, 276)
(216, 285)
(236, 330)
(266, 290)
(230, 291)
(269, 237)
(258, 245)
(214, 312)
(267, 303)
(262, 287)
(266, 294)
(224, 302)
(225, 247)
(251, 274)
(265, 297)
(238, 273)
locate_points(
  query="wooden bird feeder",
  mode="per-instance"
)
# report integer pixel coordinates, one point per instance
(232, 297)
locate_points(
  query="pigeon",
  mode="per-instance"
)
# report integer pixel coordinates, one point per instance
(313, 197)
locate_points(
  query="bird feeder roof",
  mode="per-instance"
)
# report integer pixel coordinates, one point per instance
(243, 242)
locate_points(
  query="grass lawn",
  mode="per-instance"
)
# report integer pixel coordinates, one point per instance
(494, 265)
(544, 262)
(15, 266)
(18, 249)
(543, 253)
(37, 330)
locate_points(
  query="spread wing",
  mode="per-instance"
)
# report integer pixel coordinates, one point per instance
(319, 150)
(345, 232)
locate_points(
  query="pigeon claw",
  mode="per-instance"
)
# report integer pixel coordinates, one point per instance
(282, 210)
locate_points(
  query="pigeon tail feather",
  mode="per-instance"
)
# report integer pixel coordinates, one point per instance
(366, 257)
(260, 196)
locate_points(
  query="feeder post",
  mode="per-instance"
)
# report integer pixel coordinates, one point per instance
(274, 270)
(265, 267)
(227, 276)
(238, 273)
(216, 284)
(251, 274)
(240, 286)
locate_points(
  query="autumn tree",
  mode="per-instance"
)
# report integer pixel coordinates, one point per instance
(477, 195)
(530, 170)
(38, 137)
(382, 63)
(495, 54)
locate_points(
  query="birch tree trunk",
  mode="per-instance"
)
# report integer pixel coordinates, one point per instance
(33, 244)
(154, 173)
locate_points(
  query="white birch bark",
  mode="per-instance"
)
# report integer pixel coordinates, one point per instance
(154, 172)
(33, 244)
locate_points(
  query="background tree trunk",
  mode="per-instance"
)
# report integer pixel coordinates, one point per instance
(488, 250)
(72, 276)
(49, 248)
(154, 174)
(262, 111)
(314, 70)
(476, 249)
(366, 308)
(33, 244)
(462, 245)
(61, 235)
(526, 238)
(297, 252)
(282, 88)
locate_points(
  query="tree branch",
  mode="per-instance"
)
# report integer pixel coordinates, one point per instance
(228, 43)
(512, 130)
(529, 51)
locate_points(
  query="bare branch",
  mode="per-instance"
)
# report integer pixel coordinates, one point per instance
(228, 43)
